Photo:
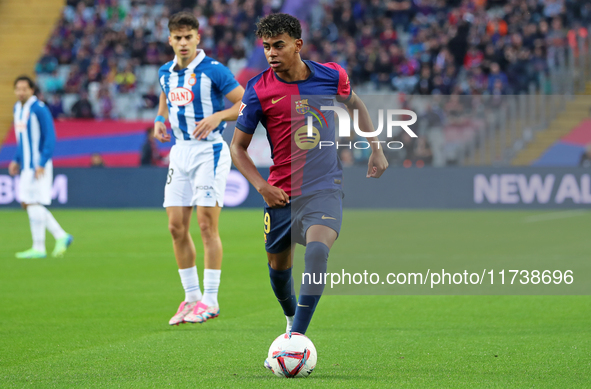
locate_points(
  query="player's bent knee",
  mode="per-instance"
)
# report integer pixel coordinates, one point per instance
(280, 261)
(208, 230)
(177, 230)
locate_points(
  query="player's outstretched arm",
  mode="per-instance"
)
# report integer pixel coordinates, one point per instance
(273, 196)
(159, 126)
(210, 123)
(377, 161)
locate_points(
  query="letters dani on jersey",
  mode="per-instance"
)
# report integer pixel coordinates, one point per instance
(180, 96)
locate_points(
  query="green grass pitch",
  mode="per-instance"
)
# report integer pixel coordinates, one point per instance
(98, 317)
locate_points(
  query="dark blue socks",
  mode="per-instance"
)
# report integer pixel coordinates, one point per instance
(282, 284)
(312, 286)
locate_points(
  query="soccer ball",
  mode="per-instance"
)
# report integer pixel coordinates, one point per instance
(292, 355)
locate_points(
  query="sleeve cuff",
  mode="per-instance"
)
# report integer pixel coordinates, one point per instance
(245, 129)
(231, 87)
(348, 97)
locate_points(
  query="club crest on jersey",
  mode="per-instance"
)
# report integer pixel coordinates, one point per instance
(180, 96)
(302, 106)
(192, 80)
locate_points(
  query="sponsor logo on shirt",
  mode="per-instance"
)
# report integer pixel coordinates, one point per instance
(306, 141)
(275, 101)
(180, 96)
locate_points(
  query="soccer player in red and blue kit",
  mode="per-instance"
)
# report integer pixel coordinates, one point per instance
(303, 195)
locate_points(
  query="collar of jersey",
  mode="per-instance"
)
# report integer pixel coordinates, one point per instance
(192, 65)
(29, 102)
(308, 64)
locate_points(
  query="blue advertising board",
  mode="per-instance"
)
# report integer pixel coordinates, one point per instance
(434, 188)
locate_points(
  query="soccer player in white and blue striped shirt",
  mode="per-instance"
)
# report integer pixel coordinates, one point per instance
(35, 135)
(193, 90)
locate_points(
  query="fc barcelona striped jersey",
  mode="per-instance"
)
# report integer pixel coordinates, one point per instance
(194, 93)
(300, 166)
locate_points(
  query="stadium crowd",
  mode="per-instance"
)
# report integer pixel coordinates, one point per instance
(423, 47)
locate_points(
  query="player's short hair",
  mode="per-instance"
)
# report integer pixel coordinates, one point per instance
(277, 24)
(28, 79)
(183, 19)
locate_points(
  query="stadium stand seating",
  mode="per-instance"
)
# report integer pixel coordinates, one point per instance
(110, 50)
(25, 27)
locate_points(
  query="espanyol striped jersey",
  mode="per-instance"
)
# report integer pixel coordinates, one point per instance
(194, 93)
(35, 134)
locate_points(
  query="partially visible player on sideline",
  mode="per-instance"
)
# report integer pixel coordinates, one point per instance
(303, 195)
(35, 135)
(192, 98)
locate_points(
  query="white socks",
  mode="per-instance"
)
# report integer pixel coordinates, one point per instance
(211, 284)
(39, 219)
(53, 226)
(37, 216)
(190, 281)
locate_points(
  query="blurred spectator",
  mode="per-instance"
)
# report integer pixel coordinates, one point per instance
(56, 107)
(401, 11)
(454, 107)
(496, 75)
(53, 83)
(553, 8)
(474, 58)
(47, 63)
(425, 84)
(237, 62)
(82, 109)
(105, 104)
(125, 80)
(94, 74)
(75, 80)
(152, 54)
(423, 156)
(150, 99)
(382, 70)
(150, 156)
(96, 161)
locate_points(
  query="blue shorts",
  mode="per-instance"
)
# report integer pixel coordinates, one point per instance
(287, 225)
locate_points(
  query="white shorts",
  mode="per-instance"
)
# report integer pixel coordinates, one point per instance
(36, 191)
(197, 174)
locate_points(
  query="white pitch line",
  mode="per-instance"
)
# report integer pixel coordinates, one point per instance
(554, 215)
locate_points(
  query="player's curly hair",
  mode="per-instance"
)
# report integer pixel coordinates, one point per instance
(276, 24)
(29, 81)
(183, 19)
